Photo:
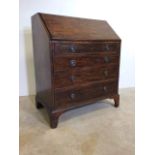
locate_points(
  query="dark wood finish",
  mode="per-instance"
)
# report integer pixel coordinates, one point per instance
(78, 76)
(69, 28)
(39, 105)
(85, 47)
(78, 95)
(43, 61)
(116, 99)
(76, 63)
(84, 60)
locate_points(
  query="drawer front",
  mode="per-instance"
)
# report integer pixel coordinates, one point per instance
(87, 60)
(80, 95)
(84, 75)
(68, 48)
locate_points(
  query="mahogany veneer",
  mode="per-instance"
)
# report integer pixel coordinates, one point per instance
(76, 62)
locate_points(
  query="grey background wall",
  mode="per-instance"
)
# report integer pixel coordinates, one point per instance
(120, 17)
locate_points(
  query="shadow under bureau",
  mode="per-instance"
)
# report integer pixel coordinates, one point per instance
(76, 63)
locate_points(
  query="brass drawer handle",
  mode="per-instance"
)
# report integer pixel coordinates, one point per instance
(105, 89)
(107, 47)
(72, 96)
(105, 72)
(72, 49)
(72, 78)
(106, 59)
(72, 63)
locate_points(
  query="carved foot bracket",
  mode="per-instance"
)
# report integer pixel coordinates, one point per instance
(38, 104)
(54, 118)
(116, 100)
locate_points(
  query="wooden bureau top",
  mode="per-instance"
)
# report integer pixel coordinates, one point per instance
(70, 28)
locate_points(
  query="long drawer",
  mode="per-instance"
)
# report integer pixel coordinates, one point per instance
(78, 76)
(85, 47)
(85, 60)
(80, 95)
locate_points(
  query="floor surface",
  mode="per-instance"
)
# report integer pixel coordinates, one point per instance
(97, 129)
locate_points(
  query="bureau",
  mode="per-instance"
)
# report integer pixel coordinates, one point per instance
(76, 63)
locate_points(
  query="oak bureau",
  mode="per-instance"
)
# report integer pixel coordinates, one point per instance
(76, 63)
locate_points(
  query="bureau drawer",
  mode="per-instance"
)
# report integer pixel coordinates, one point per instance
(84, 75)
(79, 95)
(68, 48)
(88, 60)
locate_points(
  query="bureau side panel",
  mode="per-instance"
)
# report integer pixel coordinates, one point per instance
(42, 60)
(119, 60)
